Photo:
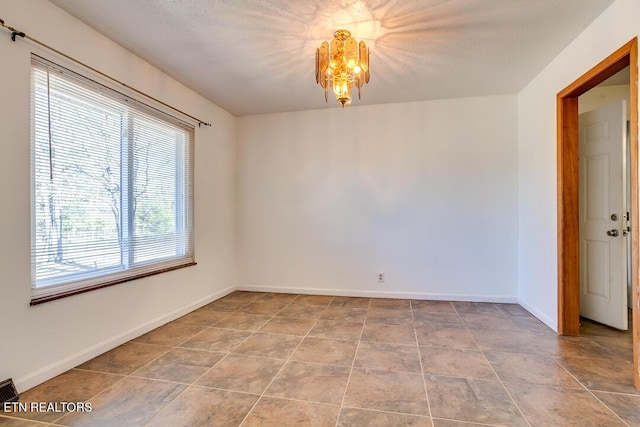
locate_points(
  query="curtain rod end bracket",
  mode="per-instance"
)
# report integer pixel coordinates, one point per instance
(15, 33)
(203, 123)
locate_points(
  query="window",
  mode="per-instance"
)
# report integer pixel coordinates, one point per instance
(111, 186)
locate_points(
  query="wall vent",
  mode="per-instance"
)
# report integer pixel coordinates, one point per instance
(8, 392)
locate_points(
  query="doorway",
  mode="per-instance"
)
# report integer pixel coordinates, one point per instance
(604, 207)
(568, 203)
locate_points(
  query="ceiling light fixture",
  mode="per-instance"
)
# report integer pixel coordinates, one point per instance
(342, 65)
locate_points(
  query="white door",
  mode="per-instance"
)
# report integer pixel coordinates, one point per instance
(603, 221)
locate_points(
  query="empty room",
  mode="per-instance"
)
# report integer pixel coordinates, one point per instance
(337, 213)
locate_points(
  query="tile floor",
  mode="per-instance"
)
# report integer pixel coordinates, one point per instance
(264, 359)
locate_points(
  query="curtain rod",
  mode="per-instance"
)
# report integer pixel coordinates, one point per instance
(15, 33)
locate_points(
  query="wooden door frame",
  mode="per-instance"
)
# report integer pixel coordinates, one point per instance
(567, 180)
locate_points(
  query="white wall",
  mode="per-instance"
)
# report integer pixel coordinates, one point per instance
(425, 192)
(42, 341)
(603, 95)
(537, 152)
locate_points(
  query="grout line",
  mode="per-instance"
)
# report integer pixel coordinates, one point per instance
(123, 377)
(204, 373)
(588, 390)
(384, 411)
(285, 363)
(9, 417)
(353, 362)
(495, 373)
(557, 362)
(607, 406)
(424, 380)
(341, 406)
(472, 423)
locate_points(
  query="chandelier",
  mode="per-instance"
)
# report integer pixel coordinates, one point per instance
(342, 65)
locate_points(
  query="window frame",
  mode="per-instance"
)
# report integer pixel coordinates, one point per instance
(41, 291)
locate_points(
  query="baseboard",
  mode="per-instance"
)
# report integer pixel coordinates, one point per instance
(553, 324)
(26, 382)
(380, 294)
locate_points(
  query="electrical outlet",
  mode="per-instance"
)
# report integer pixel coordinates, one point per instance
(381, 277)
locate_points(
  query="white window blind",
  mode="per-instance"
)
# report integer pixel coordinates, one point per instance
(112, 186)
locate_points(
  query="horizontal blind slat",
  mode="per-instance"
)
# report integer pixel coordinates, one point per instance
(112, 186)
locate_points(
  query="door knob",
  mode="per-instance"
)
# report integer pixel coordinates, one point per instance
(613, 233)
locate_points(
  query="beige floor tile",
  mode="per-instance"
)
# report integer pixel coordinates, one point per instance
(180, 365)
(288, 326)
(428, 306)
(582, 348)
(246, 296)
(171, 334)
(15, 422)
(387, 391)
(205, 407)
(475, 307)
(72, 386)
(267, 308)
(352, 417)
(302, 311)
(456, 362)
(350, 302)
(514, 310)
(421, 318)
(125, 359)
(214, 339)
(317, 300)
(392, 334)
(249, 374)
(388, 357)
(627, 406)
(445, 335)
(326, 351)
(515, 342)
(310, 382)
(269, 345)
(390, 316)
(277, 298)
(533, 325)
(345, 314)
(336, 329)
(202, 317)
(619, 347)
(224, 304)
(273, 412)
(471, 400)
(130, 402)
(613, 348)
(552, 406)
(243, 321)
(289, 358)
(530, 368)
(390, 303)
(437, 422)
(602, 375)
(490, 321)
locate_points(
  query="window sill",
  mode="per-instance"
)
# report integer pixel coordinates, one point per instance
(41, 300)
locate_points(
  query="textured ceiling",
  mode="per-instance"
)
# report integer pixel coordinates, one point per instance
(256, 56)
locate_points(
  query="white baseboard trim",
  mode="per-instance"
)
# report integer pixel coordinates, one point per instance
(380, 294)
(552, 323)
(43, 374)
